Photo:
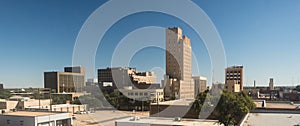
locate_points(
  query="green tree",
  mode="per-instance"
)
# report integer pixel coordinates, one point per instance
(61, 99)
(297, 88)
(5, 94)
(230, 109)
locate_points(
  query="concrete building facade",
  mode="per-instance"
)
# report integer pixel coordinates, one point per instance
(200, 84)
(155, 95)
(178, 80)
(233, 86)
(71, 80)
(235, 73)
(271, 84)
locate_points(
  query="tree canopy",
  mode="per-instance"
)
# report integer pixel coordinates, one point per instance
(230, 108)
(297, 88)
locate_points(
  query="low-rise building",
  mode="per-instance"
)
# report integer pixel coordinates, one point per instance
(143, 94)
(9, 105)
(25, 118)
(70, 108)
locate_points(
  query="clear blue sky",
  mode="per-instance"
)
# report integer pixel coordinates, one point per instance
(38, 36)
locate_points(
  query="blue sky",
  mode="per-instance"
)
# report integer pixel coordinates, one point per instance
(38, 36)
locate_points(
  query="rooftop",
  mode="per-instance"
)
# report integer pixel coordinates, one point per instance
(29, 114)
(169, 121)
(272, 119)
(176, 102)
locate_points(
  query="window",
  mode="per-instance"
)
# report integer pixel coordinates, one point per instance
(8, 121)
(136, 94)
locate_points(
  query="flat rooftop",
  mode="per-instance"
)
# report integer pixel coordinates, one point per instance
(277, 105)
(169, 121)
(54, 106)
(272, 119)
(184, 102)
(29, 114)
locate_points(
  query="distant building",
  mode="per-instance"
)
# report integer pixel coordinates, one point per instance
(92, 81)
(1, 87)
(235, 73)
(25, 118)
(271, 84)
(119, 77)
(178, 80)
(200, 84)
(70, 108)
(232, 85)
(71, 80)
(143, 94)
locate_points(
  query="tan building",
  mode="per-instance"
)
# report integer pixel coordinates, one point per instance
(235, 73)
(26, 118)
(200, 84)
(8, 105)
(232, 85)
(271, 84)
(119, 77)
(72, 80)
(143, 94)
(178, 80)
(70, 108)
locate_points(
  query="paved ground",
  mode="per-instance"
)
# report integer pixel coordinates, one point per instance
(104, 117)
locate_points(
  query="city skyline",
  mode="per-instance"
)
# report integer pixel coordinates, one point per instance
(40, 37)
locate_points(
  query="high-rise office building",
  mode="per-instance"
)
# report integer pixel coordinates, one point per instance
(70, 81)
(234, 73)
(178, 80)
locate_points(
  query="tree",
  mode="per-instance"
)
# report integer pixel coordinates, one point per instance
(230, 109)
(297, 88)
(61, 99)
(5, 94)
